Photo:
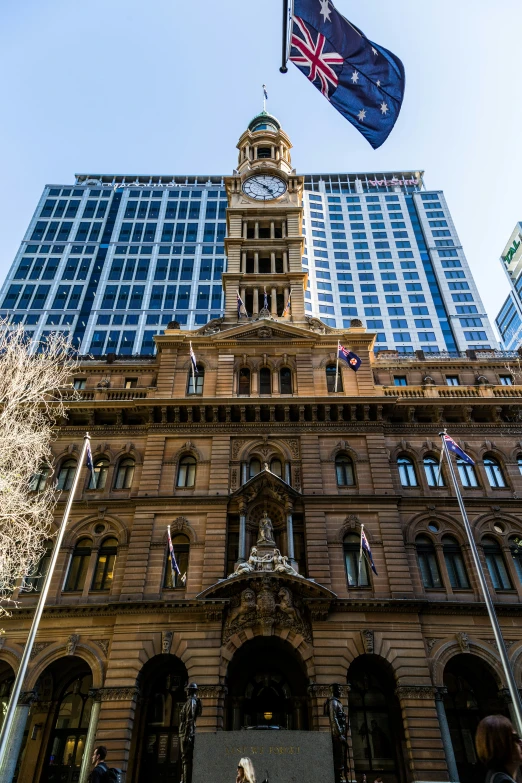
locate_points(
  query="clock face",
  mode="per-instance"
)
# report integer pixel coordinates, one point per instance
(264, 187)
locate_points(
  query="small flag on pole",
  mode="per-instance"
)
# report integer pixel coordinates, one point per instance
(173, 562)
(287, 308)
(265, 92)
(193, 360)
(90, 463)
(452, 446)
(352, 360)
(241, 309)
(365, 547)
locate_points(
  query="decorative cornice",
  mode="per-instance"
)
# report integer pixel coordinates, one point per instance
(325, 691)
(119, 694)
(212, 691)
(415, 692)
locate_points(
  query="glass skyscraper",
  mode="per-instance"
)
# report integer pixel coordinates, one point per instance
(509, 319)
(113, 259)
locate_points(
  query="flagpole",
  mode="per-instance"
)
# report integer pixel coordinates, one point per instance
(284, 54)
(192, 365)
(360, 558)
(337, 365)
(20, 676)
(508, 673)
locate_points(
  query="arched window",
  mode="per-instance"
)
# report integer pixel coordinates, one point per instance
(454, 563)
(276, 467)
(285, 380)
(103, 575)
(196, 380)
(357, 571)
(428, 565)
(407, 472)
(515, 544)
(66, 474)
(69, 733)
(125, 473)
(34, 580)
(79, 565)
(174, 578)
(331, 372)
(39, 479)
(99, 474)
(496, 565)
(265, 381)
(187, 471)
(434, 476)
(344, 471)
(254, 467)
(494, 473)
(244, 381)
(519, 461)
(467, 474)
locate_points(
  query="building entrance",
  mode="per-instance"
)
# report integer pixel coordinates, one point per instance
(267, 686)
(472, 694)
(162, 683)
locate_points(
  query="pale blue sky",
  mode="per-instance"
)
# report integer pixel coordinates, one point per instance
(167, 87)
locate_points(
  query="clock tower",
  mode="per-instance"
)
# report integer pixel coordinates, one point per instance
(264, 242)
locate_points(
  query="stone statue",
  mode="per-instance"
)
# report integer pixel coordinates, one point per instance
(281, 564)
(188, 715)
(249, 565)
(247, 604)
(286, 605)
(266, 530)
(334, 709)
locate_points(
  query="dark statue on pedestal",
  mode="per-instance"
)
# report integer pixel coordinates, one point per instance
(338, 724)
(190, 711)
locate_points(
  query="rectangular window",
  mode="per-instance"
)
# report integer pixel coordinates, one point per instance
(109, 297)
(399, 323)
(192, 232)
(475, 336)
(400, 380)
(156, 297)
(458, 286)
(401, 337)
(452, 380)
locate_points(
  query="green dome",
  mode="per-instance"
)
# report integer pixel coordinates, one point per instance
(264, 121)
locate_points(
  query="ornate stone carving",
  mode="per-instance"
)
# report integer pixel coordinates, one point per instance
(213, 614)
(72, 643)
(462, 641)
(233, 479)
(103, 644)
(293, 445)
(166, 641)
(368, 641)
(37, 648)
(2, 640)
(323, 691)
(265, 332)
(236, 447)
(415, 692)
(179, 524)
(319, 611)
(508, 642)
(266, 531)
(430, 644)
(266, 603)
(297, 478)
(119, 694)
(212, 691)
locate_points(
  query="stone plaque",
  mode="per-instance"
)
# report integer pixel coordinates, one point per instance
(278, 756)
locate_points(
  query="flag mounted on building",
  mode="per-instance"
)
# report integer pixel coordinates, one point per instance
(362, 80)
(241, 309)
(365, 547)
(173, 562)
(352, 360)
(288, 305)
(455, 448)
(193, 360)
(90, 463)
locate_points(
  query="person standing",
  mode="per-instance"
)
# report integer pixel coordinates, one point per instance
(99, 766)
(499, 748)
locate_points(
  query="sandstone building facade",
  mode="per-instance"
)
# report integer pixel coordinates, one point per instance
(263, 430)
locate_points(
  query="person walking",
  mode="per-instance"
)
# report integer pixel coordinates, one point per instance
(245, 771)
(499, 748)
(99, 766)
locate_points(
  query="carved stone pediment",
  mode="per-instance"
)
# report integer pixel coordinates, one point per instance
(267, 602)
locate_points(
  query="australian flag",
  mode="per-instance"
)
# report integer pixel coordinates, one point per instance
(452, 446)
(362, 80)
(352, 360)
(365, 546)
(90, 464)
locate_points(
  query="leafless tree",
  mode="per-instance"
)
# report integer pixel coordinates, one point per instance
(34, 388)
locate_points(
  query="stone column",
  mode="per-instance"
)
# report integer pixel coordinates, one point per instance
(256, 229)
(243, 262)
(91, 736)
(244, 473)
(16, 735)
(242, 535)
(272, 229)
(290, 535)
(272, 263)
(285, 262)
(445, 733)
(287, 294)
(256, 263)
(245, 229)
(255, 300)
(273, 303)
(288, 474)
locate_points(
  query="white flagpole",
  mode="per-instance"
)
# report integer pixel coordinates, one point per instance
(440, 464)
(360, 559)
(337, 365)
(508, 673)
(17, 685)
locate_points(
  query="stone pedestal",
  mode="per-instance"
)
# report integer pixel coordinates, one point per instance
(286, 756)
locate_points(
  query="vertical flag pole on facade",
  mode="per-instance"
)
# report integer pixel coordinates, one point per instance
(360, 558)
(447, 443)
(284, 54)
(337, 365)
(20, 676)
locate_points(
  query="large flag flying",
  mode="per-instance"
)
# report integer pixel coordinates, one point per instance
(365, 546)
(452, 446)
(241, 309)
(193, 360)
(90, 463)
(288, 305)
(362, 80)
(173, 562)
(352, 360)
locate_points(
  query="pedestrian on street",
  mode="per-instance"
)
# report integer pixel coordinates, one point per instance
(99, 765)
(499, 748)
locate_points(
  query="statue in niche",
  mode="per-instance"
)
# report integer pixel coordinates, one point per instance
(249, 565)
(266, 530)
(281, 564)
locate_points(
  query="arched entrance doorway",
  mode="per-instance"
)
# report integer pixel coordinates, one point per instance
(267, 686)
(375, 719)
(67, 720)
(162, 684)
(7, 677)
(472, 694)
